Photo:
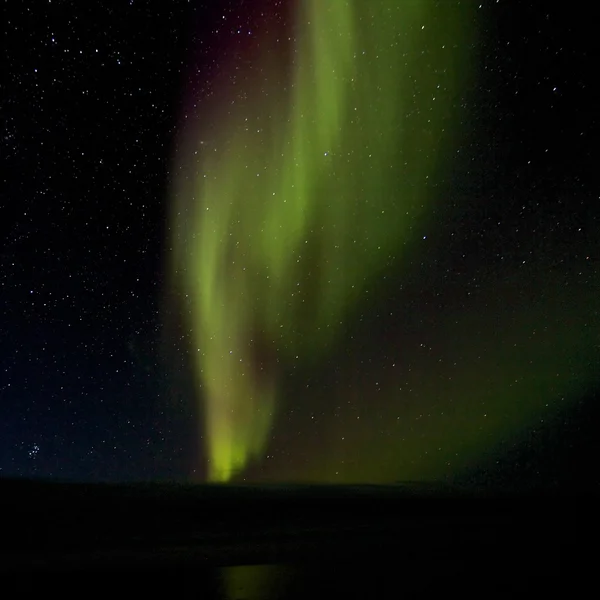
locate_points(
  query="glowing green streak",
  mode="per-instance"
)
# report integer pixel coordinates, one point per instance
(295, 210)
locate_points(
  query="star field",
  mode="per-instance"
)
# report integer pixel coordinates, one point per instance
(444, 325)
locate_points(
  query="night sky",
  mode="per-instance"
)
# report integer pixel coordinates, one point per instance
(441, 205)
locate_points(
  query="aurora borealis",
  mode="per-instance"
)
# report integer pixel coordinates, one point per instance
(308, 192)
(311, 176)
(397, 274)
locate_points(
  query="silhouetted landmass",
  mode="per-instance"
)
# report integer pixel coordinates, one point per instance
(343, 538)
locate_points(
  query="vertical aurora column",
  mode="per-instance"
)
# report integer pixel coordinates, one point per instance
(303, 181)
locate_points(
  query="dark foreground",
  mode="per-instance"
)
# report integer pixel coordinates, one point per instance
(292, 541)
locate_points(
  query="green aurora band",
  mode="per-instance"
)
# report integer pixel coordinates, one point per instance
(295, 194)
(302, 202)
